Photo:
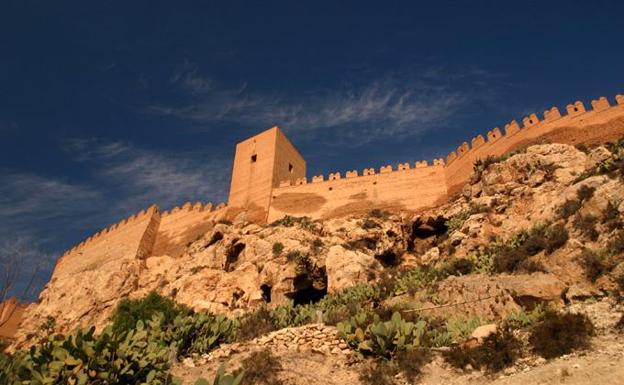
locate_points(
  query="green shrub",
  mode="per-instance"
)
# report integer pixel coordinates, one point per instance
(82, 357)
(523, 318)
(457, 221)
(370, 335)
(261, 367)
(305, 223)
(198, 333)
(561, 333)
(513, 255)
(278, 247)
(498, 351)
(222, 378)
(254, 324)
(130, 311)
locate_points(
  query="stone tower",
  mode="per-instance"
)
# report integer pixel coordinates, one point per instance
(260, 164)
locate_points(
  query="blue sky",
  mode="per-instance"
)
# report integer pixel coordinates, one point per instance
(109, 106)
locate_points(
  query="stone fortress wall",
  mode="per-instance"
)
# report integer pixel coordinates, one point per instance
(413, 187)
(147, 233)
(256, 188)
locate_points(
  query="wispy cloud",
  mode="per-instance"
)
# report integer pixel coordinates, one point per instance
(189, 79)
(394, 106)
(27, 198)
(138, 177)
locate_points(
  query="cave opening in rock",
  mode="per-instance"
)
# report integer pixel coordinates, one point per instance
(232, 253)
(388, 258)
(425, 234)
(216, 237)
(310, 287)
(266, 292)
(308, 295)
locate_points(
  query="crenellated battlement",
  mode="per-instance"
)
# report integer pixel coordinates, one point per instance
(351, 174)
(188, 206)
(114, 228)
(550, 116)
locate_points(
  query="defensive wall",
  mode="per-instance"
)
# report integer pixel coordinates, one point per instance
(10, 316)
(142, 235)
(421, 185)
(265, 159)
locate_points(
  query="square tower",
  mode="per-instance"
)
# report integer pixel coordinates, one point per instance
(260, 164)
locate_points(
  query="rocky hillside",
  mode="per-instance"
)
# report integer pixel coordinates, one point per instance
(541, 228)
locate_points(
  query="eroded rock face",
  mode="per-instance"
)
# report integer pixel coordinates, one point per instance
(347, 268)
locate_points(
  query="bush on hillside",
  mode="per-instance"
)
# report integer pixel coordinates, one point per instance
(377, 373)
(254, 324)
(585, 193)
(130, 311)
(586, 225)
(611, 217)
(561, 333)
(498, 351)
(569, 208)
(83, 357)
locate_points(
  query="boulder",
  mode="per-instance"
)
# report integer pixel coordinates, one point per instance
(530, 289)
(346, 268)
(484, 331)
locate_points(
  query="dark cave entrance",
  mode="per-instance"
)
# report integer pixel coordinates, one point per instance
(266, 292)
(309, 288)
(232, 253)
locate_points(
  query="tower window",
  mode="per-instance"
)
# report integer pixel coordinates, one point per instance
(254, 158)
(290, 168)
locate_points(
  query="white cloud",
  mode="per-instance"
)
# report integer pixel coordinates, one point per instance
(138, 177)
(27, 198)
(358, 114)
(188, 78)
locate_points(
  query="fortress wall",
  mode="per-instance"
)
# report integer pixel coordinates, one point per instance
(129, 239)
(182, 225)
(11, 312)
(576, 125)
(398, 189)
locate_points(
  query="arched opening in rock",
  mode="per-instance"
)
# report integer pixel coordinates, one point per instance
(388, 258)
(426, 233)
(266, 292)
(216, 237)
(310, 287)
(232, 253)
